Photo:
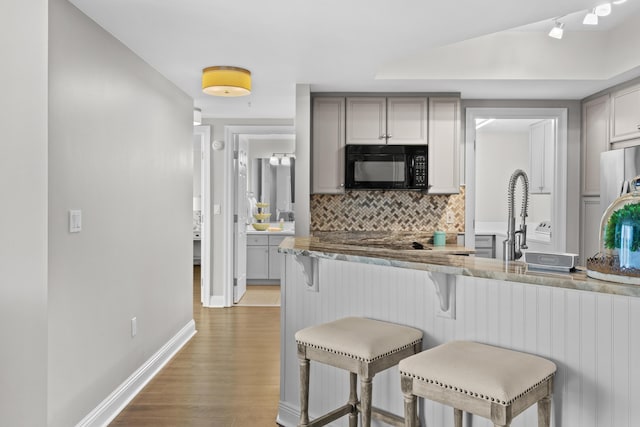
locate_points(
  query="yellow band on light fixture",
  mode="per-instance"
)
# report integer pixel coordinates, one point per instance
(226, 81)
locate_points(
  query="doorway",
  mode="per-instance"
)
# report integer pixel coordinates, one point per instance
(235, 243)
(505, 138)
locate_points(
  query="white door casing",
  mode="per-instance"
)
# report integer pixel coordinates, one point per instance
(241, 155)
(204, 133)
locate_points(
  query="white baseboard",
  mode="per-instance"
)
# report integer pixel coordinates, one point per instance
(288, 416)
(110, 407)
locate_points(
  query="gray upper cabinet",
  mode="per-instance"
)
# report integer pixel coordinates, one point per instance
(382, 120)
(328, 139)
(407, 121)
(625, 114)
(366, 120)
(541, 155)
(444, 141)
(595, 140)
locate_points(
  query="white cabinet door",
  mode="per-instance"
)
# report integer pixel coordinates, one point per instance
(407, 121)
(541, 156)
(625, 114)
(366, 120)
(595, 140)
(444, 140)
(328, 145)
(590, 230)
(257, 262)
(274, 263)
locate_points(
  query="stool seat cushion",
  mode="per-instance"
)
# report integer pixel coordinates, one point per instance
(359, 338)
(491, 373)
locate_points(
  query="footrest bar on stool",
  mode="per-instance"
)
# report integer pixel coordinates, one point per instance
(331, 416)
(384, 416)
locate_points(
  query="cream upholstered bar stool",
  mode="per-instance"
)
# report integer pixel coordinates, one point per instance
(361, 346)
(487, 381)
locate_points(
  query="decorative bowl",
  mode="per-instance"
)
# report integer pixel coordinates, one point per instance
(260, 226)
(261, 216)
(262, 205)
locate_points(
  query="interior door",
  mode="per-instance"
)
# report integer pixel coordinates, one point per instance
(240, 218)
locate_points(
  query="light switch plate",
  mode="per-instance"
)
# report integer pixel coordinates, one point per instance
(216, 209)
(75, 221)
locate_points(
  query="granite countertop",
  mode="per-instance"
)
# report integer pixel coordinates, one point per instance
(442, 261)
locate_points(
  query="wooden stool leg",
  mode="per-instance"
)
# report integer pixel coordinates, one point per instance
(410, 409)
(544, 412)
(304, 392)
(353, 399)
(365, 402)
(457, 417)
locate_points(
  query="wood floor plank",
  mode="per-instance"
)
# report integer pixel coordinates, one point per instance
(227, 375)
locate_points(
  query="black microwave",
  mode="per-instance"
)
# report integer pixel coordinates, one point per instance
(386, 167)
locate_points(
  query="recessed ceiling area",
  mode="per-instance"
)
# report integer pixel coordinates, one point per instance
(490, 49)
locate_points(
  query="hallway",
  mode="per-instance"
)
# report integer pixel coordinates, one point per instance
(227, 375)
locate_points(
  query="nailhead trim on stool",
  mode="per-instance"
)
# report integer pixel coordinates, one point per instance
(488, 381)
(361, 346)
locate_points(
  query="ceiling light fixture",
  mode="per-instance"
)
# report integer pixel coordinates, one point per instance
(590, 18)
(603, 9)
(557, 31)
(617, 2)
(283, 159)
(197, 116)
(226, 81)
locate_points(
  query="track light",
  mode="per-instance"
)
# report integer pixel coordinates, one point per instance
(557, 31)
(603, 9)
(590, 18)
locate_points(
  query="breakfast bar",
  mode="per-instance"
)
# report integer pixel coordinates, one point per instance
(588, 328)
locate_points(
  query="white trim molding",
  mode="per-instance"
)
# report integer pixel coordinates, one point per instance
(110, 407)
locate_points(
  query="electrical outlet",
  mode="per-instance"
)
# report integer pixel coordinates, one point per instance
(134, 327)
(450, 217)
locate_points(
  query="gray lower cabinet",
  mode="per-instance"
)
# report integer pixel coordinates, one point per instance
(263, 259)
(486, 245)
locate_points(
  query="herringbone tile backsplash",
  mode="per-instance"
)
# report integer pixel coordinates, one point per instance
(386, 210)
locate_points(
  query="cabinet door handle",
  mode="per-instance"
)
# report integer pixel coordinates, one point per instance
(638, 127)
(382, 137)
(389, 136)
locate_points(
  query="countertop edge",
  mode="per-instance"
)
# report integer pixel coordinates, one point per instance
(482, 268)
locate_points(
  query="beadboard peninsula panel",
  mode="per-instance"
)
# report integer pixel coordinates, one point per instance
(387, 210)
(592, 337)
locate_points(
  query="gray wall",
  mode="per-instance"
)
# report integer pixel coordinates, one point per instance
(120, 149)
(23, 213)
(574, 113)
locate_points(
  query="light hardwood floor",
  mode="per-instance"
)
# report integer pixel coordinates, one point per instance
(227, 375)
(261, 296)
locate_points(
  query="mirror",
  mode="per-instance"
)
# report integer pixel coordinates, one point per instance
(274, 184)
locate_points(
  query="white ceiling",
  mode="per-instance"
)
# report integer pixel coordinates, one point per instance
(473, 47)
